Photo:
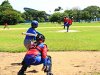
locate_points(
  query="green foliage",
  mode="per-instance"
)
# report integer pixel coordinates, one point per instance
(93, 11)
(12, 16)
(58, 9)
(88, 14)
(6, 5)
(41, 19)
(32, 14)
(8, 14)
(56, 17)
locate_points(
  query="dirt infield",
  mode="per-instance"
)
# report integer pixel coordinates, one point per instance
(64, 63)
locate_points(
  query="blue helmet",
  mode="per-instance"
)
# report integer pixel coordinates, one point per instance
(34, 24)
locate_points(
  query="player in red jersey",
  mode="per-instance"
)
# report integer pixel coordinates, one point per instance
(36, 55)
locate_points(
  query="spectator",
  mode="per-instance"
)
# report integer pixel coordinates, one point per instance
(6, 24)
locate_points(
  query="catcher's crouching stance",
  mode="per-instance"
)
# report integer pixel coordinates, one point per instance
(37, 54)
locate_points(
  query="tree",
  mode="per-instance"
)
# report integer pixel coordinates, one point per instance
(87, 14)
(56, 17)
(32, 14)
(6, 5)
(9, 14)
(93, 11)
(58, 9)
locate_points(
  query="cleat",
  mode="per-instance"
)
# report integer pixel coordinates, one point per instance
(20, 73)
(49, 73)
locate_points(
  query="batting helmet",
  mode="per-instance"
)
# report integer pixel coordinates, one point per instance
(40, 37)
(34, 24)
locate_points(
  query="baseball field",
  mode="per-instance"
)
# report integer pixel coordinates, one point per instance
(73, 53)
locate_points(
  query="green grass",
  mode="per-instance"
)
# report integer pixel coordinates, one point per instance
(87, 39)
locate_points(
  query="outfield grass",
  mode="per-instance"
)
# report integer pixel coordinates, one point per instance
(87, 39)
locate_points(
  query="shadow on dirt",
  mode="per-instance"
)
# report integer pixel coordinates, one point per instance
(19, 64)
(16, 64)
(33, 71)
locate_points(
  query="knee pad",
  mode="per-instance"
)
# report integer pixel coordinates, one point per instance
(49, 60)
(49, 64)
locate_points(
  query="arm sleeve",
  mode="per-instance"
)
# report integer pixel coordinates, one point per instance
(44, 55)
(44, 51)
(38, 32)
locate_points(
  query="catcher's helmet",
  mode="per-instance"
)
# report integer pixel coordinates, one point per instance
(34, 24)
(40, 37)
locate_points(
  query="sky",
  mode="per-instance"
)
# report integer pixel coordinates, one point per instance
(50, 5)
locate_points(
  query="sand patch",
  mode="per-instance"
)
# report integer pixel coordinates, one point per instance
(64, 63)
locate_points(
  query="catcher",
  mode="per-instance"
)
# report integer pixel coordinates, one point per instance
(36, 55)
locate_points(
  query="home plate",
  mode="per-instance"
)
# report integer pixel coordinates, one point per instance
(68, 31)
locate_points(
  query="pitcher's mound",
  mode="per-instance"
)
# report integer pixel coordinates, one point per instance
(68, 31)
